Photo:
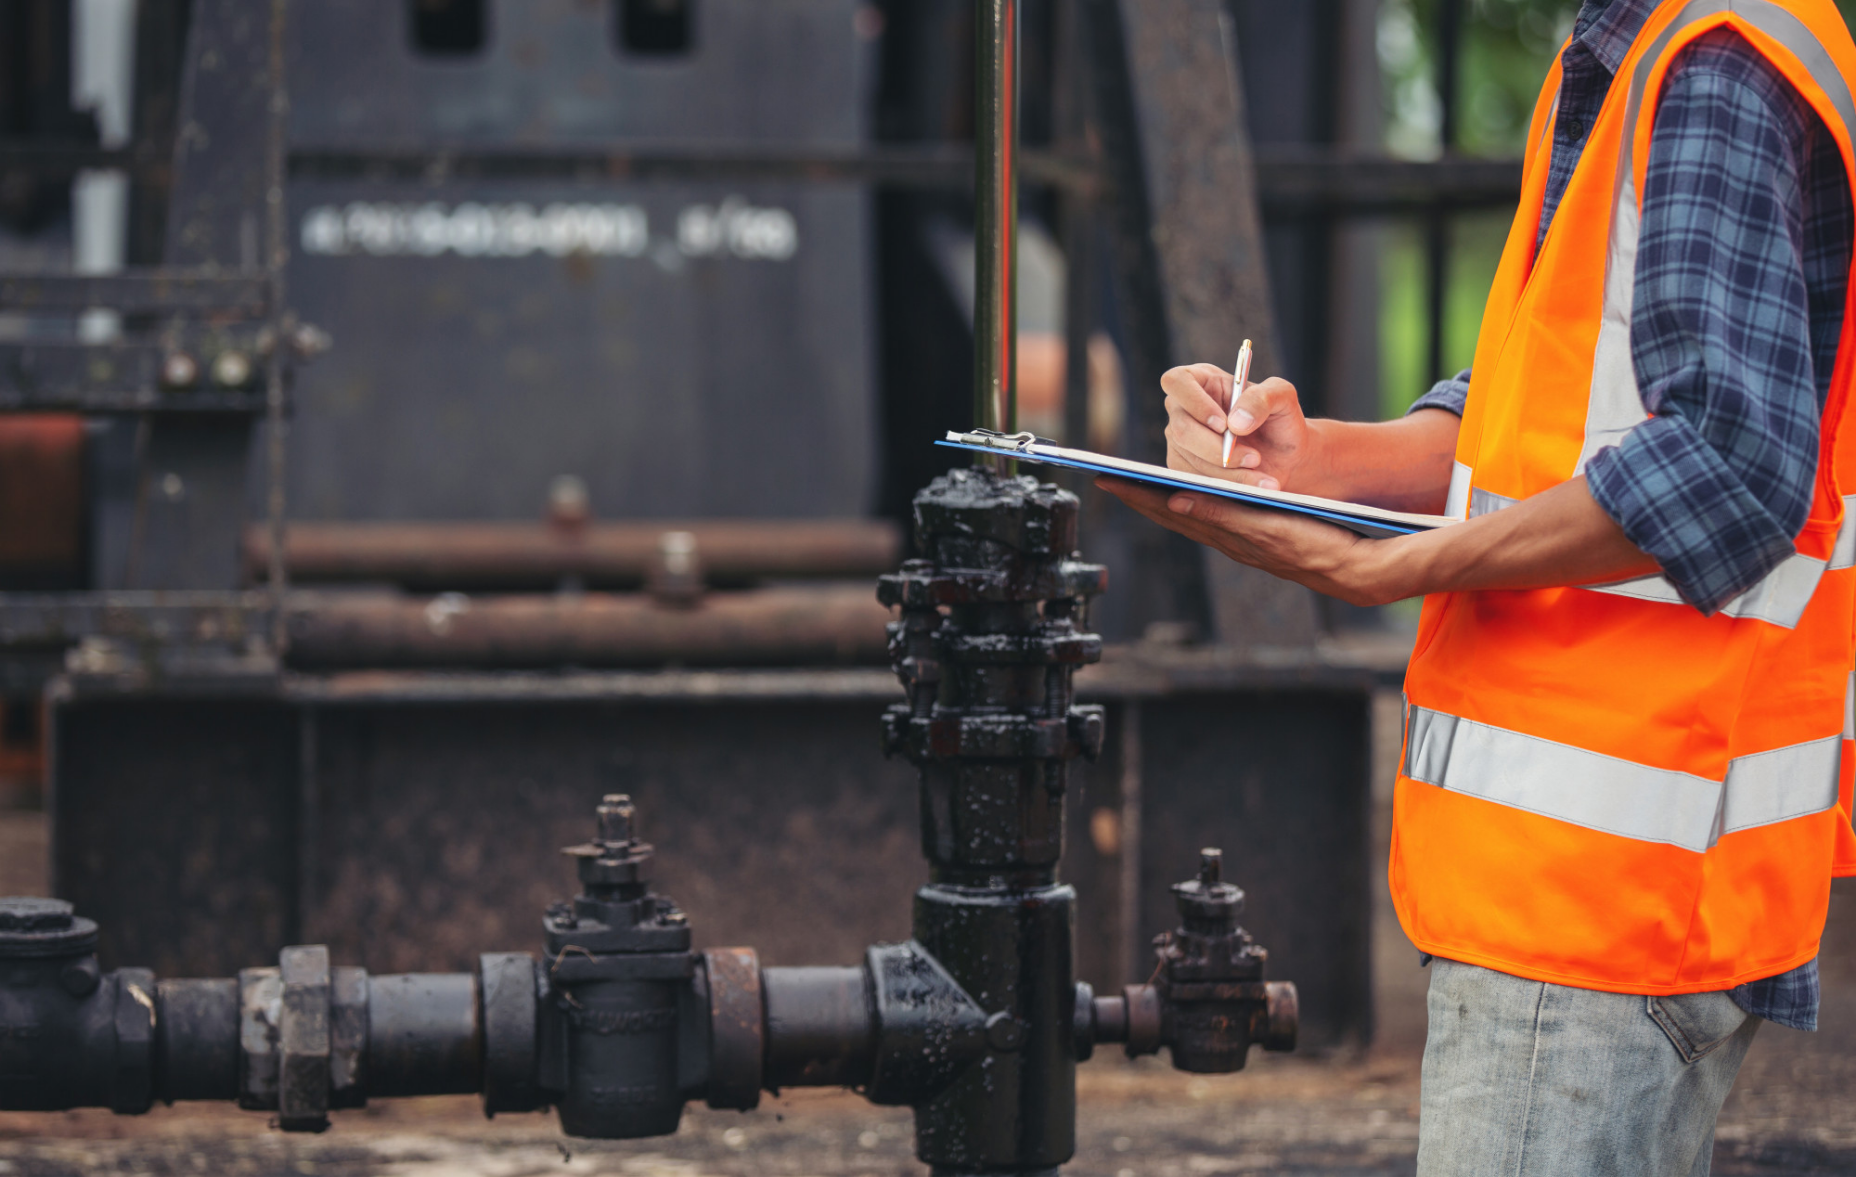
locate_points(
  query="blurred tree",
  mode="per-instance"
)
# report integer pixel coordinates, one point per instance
(1507, 47)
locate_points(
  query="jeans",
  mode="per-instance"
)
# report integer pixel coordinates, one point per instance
(1527, 1079)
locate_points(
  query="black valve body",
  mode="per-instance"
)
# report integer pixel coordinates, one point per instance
(988, 641)
(618, 964)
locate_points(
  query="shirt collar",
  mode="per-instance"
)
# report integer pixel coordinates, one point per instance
(1607, 27)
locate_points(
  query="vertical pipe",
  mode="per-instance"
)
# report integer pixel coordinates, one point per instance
(1437, 230)
(995, 215)
(1129, 929)
(276, 372)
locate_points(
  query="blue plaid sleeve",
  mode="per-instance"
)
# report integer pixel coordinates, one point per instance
(1448, 395)
(1729, 355)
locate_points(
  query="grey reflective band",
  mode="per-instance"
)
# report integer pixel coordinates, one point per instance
(1485, 502)
(1615, 406)
(1849, 709)
(1616, 796)
(1780, 598)
(1456, 504)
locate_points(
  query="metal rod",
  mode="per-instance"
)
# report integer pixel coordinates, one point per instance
(995, 215)
(1437, 225)
(1129, 924)
(276, 253)
(507, 555)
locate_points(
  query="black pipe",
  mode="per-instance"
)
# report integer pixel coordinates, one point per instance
(196, 1039)
(423, 1035)
(821, 1028)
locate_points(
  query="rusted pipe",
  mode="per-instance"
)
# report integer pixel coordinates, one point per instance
(800, 625)
(517, 555)
(43, 502)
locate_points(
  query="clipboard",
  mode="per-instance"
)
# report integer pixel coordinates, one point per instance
(1371, 522)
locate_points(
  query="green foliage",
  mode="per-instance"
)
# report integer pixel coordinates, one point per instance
(1507, 47)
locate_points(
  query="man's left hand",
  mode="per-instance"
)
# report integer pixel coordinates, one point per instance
(1326, 558)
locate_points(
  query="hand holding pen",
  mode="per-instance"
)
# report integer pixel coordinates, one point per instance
(1240, 375)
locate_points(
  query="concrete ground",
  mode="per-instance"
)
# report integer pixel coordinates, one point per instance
(1347, 1115)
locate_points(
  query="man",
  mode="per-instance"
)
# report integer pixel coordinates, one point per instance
(1620, 804)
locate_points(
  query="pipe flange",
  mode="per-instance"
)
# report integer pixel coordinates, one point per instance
(347, 1037)
(509, 992)
(132, 1079)
(303, 1040)
(1144, 1019)
(260, 1009)
(737, 1027)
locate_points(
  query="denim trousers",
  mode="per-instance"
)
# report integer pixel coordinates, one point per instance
(1527, 1079)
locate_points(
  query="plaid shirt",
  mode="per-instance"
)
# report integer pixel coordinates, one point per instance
(1742, 260)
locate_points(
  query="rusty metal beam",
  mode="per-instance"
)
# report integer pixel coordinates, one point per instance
(825, 625)
(539, 555)
(1191, 273)
(138, 292)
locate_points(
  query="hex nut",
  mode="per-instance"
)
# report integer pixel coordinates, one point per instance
(179, 370)
(231, 369)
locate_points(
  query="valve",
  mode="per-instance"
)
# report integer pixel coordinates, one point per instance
(619, 966)
(1209, 1001)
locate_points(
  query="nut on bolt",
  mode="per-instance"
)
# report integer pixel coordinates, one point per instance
(179, 370)
(231, 369)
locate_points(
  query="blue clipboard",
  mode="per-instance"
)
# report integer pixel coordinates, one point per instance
(1372, 522)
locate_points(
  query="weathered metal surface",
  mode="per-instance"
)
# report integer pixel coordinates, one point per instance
(42, 502)
(929, 166)
(189, 370)
(140, 618)
(820, 1027)
(133, 292)
(738, 1028)
(692, 357)
(774, 626)
(599, 554)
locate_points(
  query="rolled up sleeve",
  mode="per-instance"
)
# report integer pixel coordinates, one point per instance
(1717, 482)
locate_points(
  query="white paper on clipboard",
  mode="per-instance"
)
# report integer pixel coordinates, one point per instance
(1373, 522)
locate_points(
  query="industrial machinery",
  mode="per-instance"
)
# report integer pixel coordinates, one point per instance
(977, 1021)
(331, 651)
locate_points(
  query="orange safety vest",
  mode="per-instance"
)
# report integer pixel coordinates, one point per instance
(1600, 786)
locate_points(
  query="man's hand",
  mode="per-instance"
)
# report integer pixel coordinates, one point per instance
(1324, 557)
(1273, 437)
(1558, 537)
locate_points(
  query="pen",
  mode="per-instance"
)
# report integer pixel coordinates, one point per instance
(1238, 377)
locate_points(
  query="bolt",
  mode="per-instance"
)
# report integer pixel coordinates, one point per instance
(80, 977)
(615, 819)
(231, 369)
(178, 370)
(568, 502)
(1211, 866)
(1005, 1032)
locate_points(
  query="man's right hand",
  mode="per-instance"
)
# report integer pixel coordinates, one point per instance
(1273, 438)
(1402, 464)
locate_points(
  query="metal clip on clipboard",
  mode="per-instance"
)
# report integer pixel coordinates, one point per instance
(993, 439)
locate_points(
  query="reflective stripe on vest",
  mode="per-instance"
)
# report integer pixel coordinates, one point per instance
(1617, 796)
(1780, 598)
